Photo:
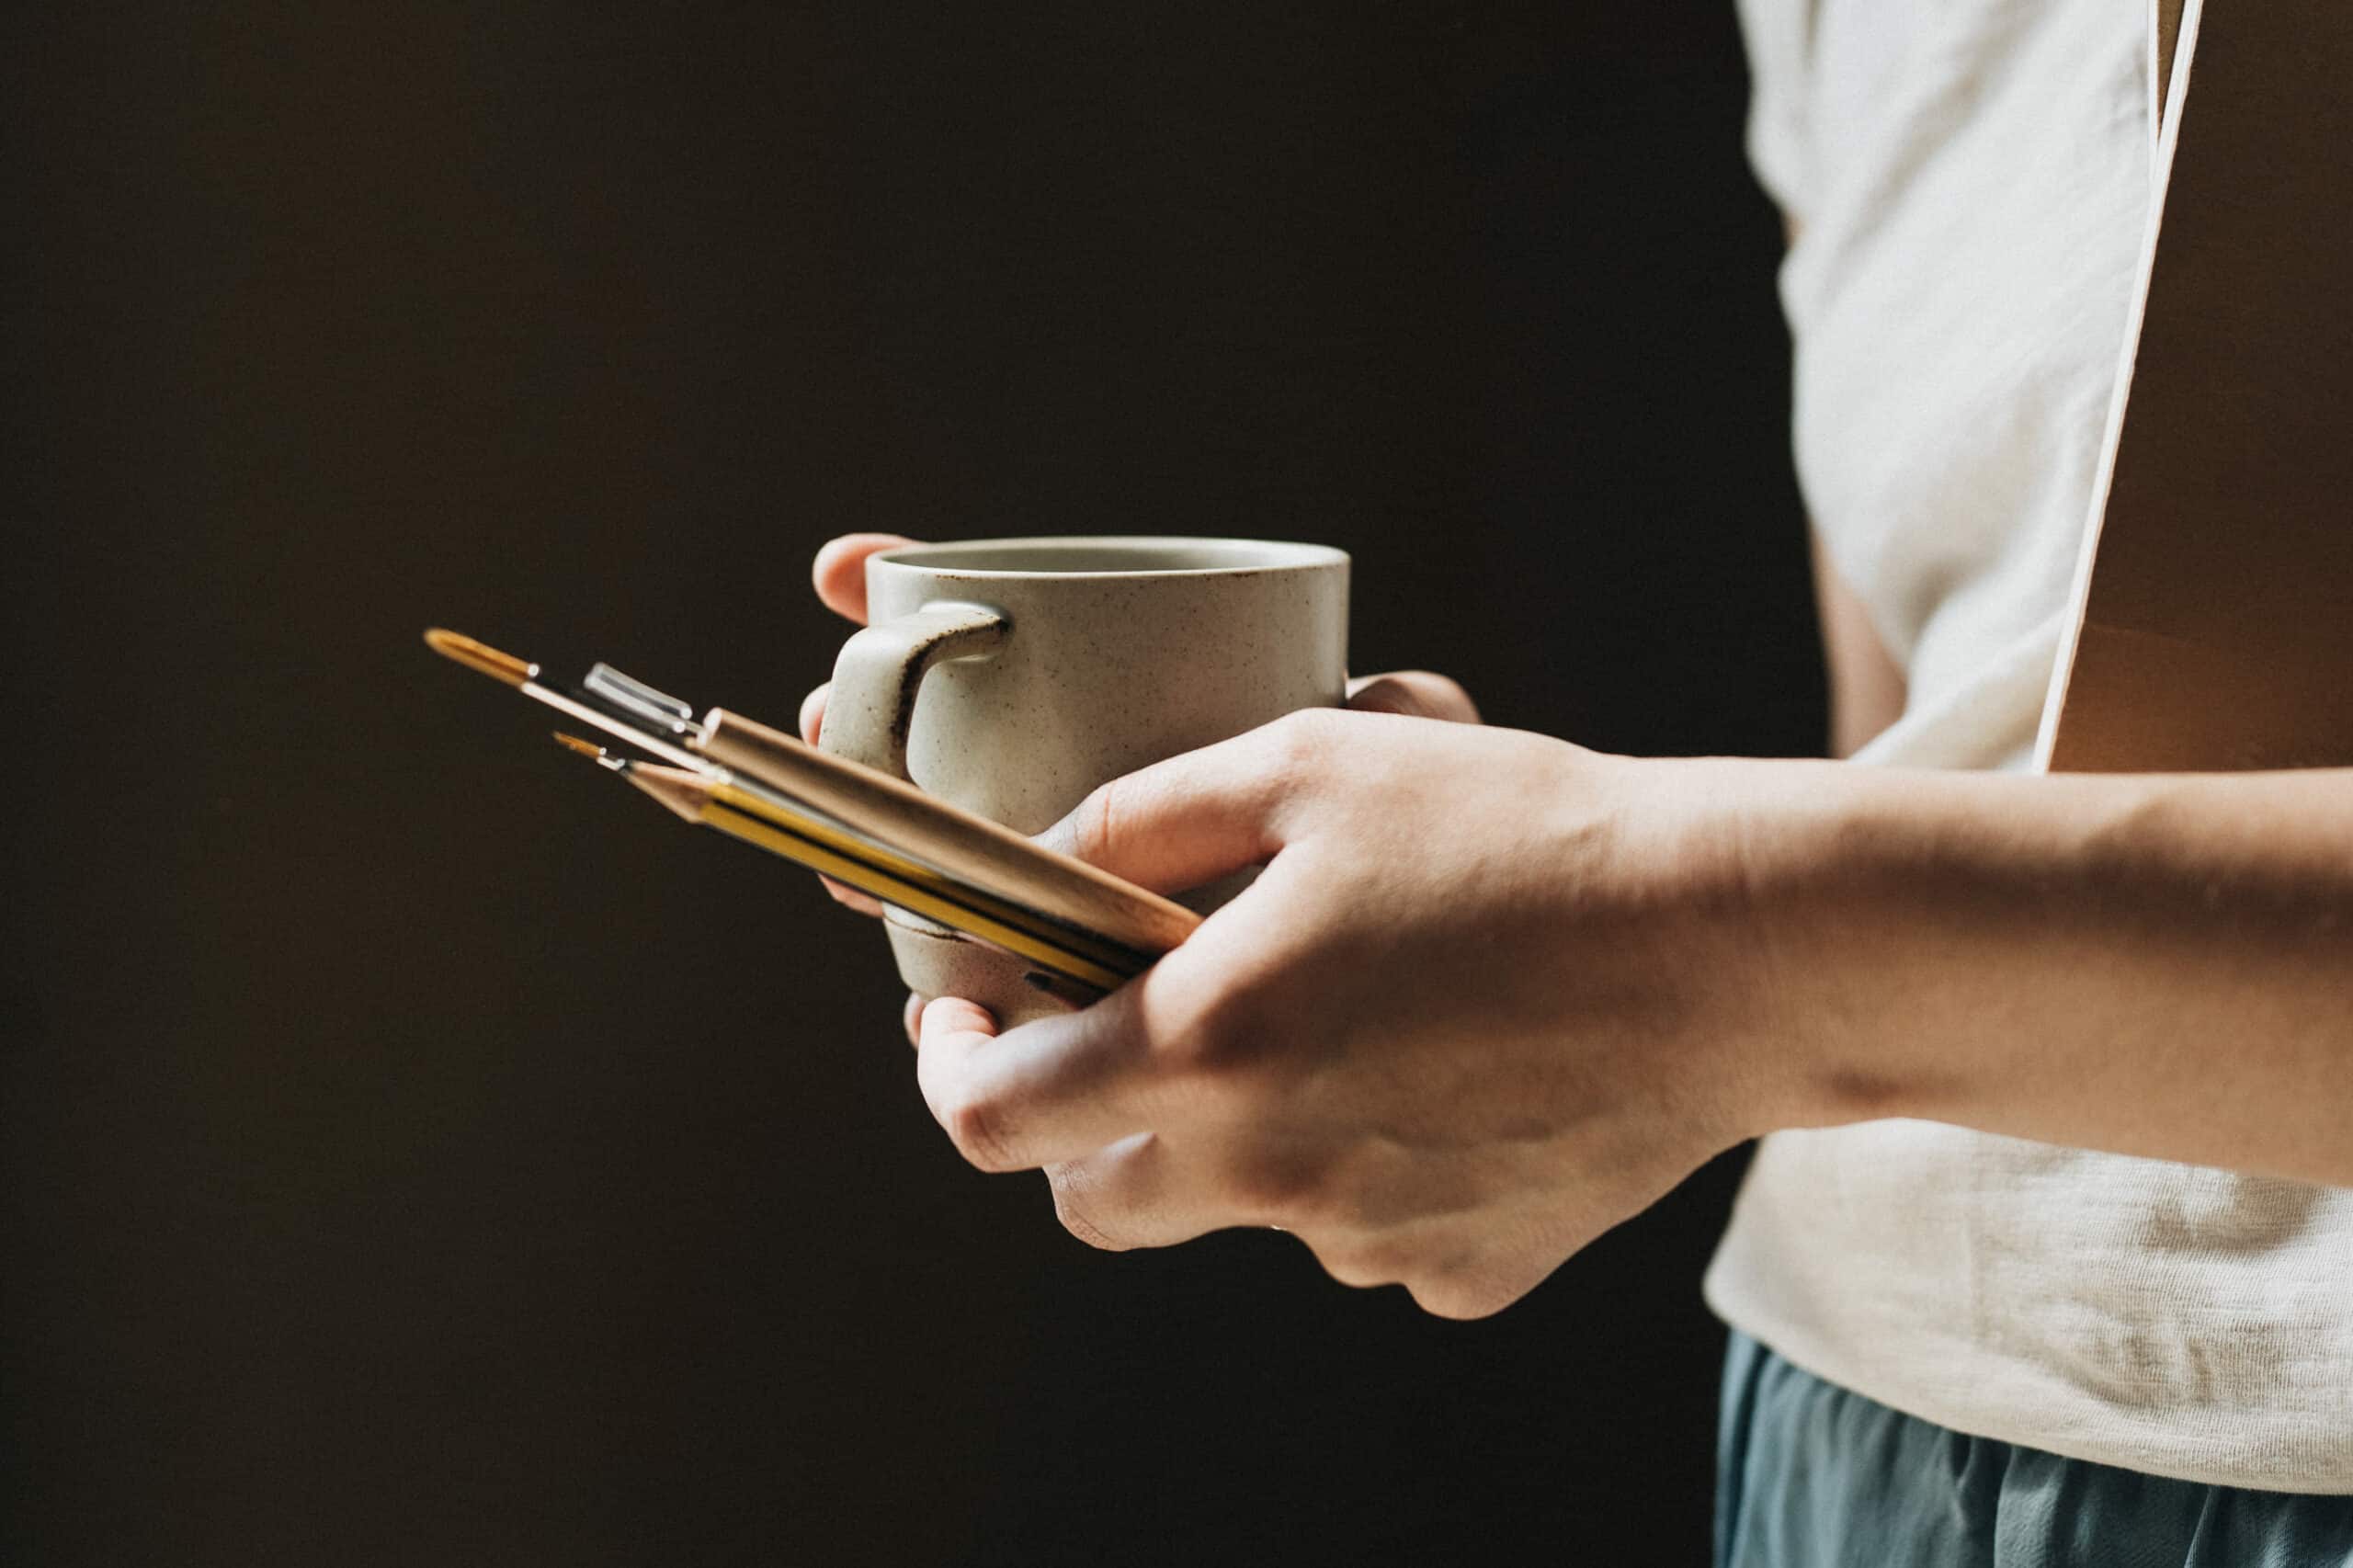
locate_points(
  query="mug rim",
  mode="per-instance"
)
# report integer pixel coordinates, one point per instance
(1276, 555)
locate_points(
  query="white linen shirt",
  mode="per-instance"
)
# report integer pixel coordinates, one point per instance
(1969, 182)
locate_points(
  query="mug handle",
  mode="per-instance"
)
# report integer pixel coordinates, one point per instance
(881, 670)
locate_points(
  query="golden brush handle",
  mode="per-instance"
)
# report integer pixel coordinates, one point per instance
(965, 845)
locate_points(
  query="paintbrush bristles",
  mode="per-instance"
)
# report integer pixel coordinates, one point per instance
(479, 656)
(592, 751)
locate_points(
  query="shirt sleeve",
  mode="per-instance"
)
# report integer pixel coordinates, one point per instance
(1778, 34)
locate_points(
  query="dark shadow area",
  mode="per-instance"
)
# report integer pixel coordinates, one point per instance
(417, 1151)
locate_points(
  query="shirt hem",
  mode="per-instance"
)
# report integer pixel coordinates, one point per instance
(2331, 1483)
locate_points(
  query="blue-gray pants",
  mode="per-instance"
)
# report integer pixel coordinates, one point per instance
(1811, 1476)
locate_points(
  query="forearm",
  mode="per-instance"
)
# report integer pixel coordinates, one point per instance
(2152, 965)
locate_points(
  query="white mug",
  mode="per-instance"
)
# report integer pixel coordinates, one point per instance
(1011, 677)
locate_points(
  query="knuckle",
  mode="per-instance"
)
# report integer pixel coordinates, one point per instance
(1463, 1292)
(1361, 1265)
(1078, 1223)
(1445, 1299)
(977, 1129)
(1356, 1274)
(1301, 740)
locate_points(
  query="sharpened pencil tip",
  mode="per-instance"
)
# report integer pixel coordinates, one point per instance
(479, 656)
(682, 791)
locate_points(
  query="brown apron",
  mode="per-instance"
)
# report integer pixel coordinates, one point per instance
(2215, 603)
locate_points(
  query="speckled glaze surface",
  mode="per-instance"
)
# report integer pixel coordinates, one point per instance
(1039, 668)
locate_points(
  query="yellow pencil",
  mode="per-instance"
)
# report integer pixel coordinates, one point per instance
(873, 869)
(1089, 931)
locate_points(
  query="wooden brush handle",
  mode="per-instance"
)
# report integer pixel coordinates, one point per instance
(969, 847)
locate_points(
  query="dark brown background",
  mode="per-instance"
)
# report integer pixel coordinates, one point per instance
(416, 1150)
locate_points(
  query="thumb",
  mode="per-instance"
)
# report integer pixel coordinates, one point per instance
(1192, 819)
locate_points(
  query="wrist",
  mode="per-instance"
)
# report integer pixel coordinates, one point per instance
(1821, 948)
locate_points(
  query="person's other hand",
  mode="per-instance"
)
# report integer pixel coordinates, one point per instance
(1490, 996)
(839, 574)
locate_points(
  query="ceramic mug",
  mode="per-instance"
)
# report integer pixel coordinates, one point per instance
(1013, 676)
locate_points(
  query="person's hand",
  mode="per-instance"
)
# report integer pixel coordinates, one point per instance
(839, 574)
(840, 577)
(1492, 994)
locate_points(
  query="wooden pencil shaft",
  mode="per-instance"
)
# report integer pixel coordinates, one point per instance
(989, 881)
(867, 877)
(690, 789)
(906, 870)
(811, 839)
(966, 847)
